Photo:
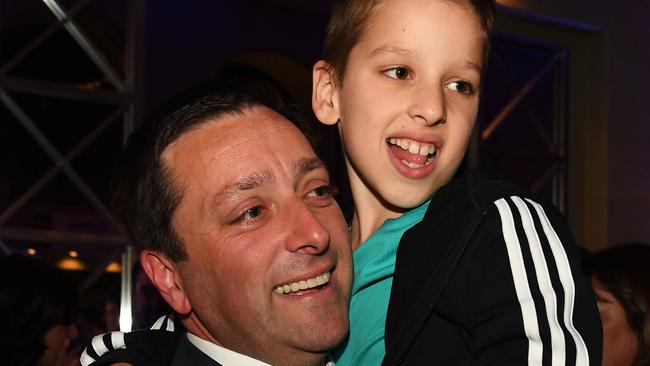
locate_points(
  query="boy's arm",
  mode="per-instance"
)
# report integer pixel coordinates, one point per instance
(155, 346)
(531, 302)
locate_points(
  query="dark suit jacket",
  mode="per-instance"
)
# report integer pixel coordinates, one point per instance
(454, 300)
(187, 354)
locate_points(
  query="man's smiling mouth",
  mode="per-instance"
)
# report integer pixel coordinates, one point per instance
(306, 284)
(415, 148)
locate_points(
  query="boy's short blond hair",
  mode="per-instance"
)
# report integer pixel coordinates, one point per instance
(349, 18)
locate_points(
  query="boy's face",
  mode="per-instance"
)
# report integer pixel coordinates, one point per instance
(409, 98)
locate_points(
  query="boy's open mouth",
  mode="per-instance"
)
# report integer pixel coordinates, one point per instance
(314, 283)
(412, 153)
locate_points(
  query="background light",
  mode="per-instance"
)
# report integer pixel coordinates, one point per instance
(114, 267)
(71, 264)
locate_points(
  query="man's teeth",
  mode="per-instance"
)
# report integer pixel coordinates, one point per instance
(413, 147)
(304, 284)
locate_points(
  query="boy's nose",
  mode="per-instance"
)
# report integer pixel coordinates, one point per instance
(428, 106)
(305, 231)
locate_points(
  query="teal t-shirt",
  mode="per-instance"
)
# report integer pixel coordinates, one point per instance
(374, 265)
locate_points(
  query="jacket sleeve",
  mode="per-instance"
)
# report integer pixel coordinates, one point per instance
(155, 346)
(530, 303)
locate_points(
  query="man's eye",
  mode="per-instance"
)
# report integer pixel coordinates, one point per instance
(323, 191)
(399, 73)
(461, 86)
(250, 214)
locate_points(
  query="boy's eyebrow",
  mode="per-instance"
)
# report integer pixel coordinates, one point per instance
(469, 64)
(392, 49)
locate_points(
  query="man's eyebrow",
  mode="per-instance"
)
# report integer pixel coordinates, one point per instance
(306, 165)
(266, 177)
(255, 180)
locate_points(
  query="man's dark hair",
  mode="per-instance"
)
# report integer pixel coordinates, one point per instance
(143, 195)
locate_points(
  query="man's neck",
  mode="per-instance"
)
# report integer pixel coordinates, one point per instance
(228, 357)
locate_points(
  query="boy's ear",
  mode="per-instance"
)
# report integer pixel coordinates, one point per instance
(163, 273)
(324, 99)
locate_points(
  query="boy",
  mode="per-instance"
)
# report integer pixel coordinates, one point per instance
(480, 276)
(483, 274)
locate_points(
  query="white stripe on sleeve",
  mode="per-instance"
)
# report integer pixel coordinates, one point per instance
(117, 339)
(520, 280)
(158, 323)
(566, 278)
(170, 325)
(558, 347)
(98, 345)
(164, 323)
(85, 359)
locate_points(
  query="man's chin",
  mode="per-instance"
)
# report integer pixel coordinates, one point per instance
(323, 339)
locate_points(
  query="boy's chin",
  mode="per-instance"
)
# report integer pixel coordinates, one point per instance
(404, 201)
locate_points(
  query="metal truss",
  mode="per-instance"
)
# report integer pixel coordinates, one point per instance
(127, 98)
(555, 141)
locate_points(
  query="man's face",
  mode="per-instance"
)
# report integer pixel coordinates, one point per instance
(269, 265)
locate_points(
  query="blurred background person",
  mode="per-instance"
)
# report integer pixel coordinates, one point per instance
(620, 276)
(37, 304)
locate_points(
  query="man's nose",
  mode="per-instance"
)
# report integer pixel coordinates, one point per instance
(428, 105)
(306, 233)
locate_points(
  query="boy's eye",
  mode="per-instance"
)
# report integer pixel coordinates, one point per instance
(399, 73)
(461, 86)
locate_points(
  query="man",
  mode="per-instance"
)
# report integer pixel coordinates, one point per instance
(237, 228)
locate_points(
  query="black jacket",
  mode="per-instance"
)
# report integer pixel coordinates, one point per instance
(454, 300)
(187, 354)
(151, 347)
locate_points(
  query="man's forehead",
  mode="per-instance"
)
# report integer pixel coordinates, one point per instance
(256, 144)
(232, 129)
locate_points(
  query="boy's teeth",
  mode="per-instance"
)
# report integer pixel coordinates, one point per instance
(413, 147)
(416, 165)
(304, 284)
(412, 165)
(424, 150)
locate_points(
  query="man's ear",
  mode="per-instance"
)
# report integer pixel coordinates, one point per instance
(163, 273)
(324, 93)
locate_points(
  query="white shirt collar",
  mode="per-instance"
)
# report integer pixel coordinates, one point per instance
(225, 356)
